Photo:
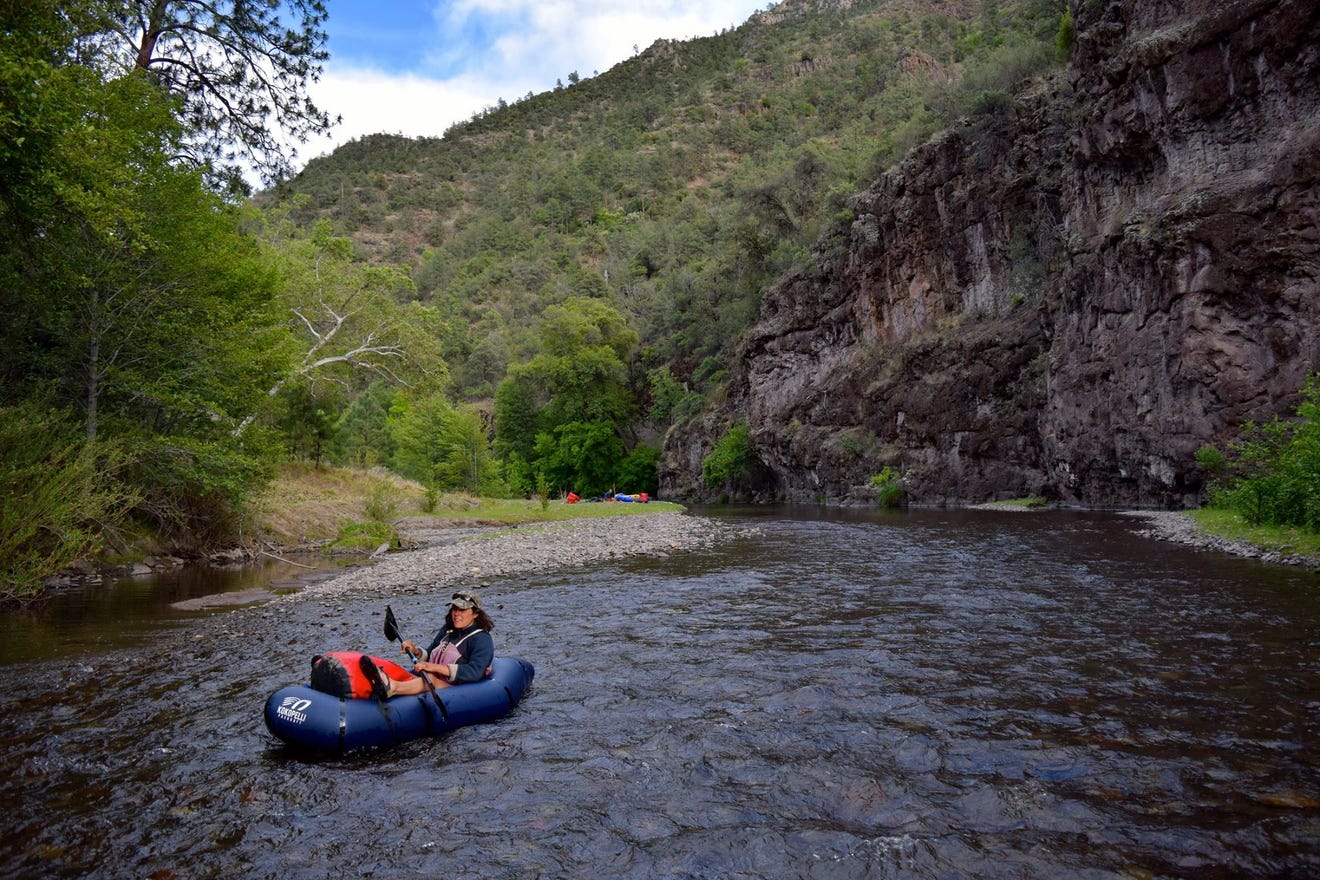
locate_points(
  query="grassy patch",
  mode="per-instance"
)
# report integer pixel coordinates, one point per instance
(518, 510)
(366, 536)
(306, 504)
(1031, 502)
(1285, 539)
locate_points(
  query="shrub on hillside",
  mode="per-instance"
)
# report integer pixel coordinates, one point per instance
(732, 458)
(1272, 475)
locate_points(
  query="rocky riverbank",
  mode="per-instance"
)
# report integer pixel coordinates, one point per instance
(477, 554)
(1173, 525)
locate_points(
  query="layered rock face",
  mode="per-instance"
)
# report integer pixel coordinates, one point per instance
(1189, 303)
(1065, 301)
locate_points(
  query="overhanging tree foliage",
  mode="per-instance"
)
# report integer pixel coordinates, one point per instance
(237, 68)
(351, 319)
(132, 298)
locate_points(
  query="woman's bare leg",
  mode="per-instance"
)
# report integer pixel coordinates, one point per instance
(410, 686)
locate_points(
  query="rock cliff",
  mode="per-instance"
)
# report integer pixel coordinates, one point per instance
(1065, 299)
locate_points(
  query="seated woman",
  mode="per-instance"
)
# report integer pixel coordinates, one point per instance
(461, 652)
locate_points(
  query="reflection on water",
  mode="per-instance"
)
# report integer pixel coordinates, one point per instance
(120, 612)
(835, 694)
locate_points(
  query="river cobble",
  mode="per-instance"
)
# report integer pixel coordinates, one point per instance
(444, 559)
(1179, 527)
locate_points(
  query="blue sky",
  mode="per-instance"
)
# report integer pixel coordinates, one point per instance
(415, 67)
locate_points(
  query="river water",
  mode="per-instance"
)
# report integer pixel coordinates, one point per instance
(831, 694)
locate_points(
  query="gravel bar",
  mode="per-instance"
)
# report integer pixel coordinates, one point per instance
(523, 549)
(1177, 526)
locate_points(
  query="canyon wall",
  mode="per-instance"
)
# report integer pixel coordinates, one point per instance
(1065, 299)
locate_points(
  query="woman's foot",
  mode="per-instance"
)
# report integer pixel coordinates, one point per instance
(380, 685)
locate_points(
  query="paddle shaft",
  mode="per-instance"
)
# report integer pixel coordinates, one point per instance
(392, 633)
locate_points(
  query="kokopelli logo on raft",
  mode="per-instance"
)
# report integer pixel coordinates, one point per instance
(294, 709)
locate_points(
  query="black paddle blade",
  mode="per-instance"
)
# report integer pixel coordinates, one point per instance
(391, 625)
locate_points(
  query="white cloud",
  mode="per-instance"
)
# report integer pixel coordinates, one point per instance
(549, 39)
(373, 102)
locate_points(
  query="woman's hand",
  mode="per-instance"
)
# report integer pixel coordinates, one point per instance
(410, 649)
(434, 668)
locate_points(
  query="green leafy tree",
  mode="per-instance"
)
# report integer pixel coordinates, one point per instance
(732, 460)
(133, 297)
(464, 457)
(360, 437)
(637, 471)
(582, 457)
(442, 446)
(416, 426)
(307, 420)
(667, 395)
(517, 419)
(350, 318)
(587, 384)
(1271, 476)
(196, 336)
(579, 377)
(581, 368)
(133, 293)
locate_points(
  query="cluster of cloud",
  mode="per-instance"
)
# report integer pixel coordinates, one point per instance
(476, 52)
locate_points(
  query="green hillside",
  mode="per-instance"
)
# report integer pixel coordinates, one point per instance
(674, 187)
(523, 306)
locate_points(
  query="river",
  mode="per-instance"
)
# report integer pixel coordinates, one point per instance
(830, 694)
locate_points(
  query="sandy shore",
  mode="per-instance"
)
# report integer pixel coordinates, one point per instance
(473, 555)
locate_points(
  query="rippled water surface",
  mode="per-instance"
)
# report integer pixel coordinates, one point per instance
(833, 695)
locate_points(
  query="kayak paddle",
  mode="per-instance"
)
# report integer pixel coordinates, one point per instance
(392, 633)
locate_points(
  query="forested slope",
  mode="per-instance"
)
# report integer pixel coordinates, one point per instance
(526, 305)
(675, 187)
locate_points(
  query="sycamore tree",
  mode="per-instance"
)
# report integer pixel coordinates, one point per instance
(350, 321)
